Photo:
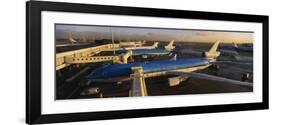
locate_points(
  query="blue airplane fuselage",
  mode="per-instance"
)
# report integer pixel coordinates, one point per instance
(123, 70)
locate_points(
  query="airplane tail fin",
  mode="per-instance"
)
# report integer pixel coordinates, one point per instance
(170, 46)
(213, 53)
(174, 57)
(144, 42)
(72, 40)
(234, 44)
(155, 44)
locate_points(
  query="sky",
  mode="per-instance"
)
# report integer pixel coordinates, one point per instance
(150, 34)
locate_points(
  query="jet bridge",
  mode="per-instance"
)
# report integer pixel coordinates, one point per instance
(87, 56)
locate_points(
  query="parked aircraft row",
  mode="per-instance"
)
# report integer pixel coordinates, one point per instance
(149, 50)
(123, 44)
(182, 68)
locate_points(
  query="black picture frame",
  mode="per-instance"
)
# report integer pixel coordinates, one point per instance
(33, 61)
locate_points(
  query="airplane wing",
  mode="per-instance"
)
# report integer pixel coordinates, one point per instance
(213, 78)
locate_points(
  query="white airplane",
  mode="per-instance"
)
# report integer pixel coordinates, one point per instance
(155, 45)
(131, 43)
(73, 42)
(149, 51)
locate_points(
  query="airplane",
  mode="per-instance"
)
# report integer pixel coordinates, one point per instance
(235, 49)
(131, 43)
(182, 68)
(155, 45)
(149, 51)
(72, 42)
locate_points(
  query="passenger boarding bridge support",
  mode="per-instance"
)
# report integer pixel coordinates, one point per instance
(138, 86)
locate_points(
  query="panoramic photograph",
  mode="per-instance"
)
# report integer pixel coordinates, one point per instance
(94, 61)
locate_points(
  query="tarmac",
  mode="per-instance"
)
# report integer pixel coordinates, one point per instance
(158, 86)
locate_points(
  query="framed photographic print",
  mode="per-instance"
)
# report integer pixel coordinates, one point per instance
(95, 62)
